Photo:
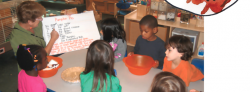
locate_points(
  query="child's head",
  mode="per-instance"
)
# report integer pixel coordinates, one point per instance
(100, 59)
(148, 26)
(111, 28)
(31, 57)
(179, 47)
(168, 82)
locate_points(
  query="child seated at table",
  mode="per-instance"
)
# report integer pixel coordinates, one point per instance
(99, 72)
(148, 43)
(31, 59)
(167, 82)
(179, 51)
(113, 33)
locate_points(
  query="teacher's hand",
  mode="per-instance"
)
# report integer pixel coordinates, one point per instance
(54, 35)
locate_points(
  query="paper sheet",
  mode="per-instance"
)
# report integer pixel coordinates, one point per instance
(76, 32)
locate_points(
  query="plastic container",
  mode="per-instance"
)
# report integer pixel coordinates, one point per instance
(201, 50)
(199, 63)
(139, 64)
(52, 72)
(199, 23)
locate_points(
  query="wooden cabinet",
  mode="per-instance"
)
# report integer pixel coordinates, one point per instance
(134, 32)
(163, 33)
(103, 6)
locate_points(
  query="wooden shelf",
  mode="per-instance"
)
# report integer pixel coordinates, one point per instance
(177, 24)
(103, 6)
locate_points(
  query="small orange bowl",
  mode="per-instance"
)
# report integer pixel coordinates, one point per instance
(139, 64)
(52, 72)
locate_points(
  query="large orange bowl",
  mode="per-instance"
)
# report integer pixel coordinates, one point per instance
(139, 64)
(52, 72)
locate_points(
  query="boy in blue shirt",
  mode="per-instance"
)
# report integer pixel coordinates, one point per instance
(148, 43)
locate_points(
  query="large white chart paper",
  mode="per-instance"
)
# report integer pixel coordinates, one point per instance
(76, 32)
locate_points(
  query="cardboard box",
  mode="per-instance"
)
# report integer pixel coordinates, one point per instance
(4, 47)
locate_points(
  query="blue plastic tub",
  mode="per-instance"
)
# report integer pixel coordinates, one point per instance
(199, 63)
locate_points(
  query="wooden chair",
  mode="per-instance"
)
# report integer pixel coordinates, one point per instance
(74, 1)
(69, 11)
(98, 16)
(91, 6)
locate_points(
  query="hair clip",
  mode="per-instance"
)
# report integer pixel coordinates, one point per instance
(24, 45)
(18, 47)
(28, 49)
(34, 67)
(35, 60)
(34, 56)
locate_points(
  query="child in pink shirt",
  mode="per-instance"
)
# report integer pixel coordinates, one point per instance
(31, 58)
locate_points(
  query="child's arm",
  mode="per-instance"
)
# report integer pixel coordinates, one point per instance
(120, 50)
(185, 76)
(186, 72)
(116, 87)
(101, 36)
(161, 56)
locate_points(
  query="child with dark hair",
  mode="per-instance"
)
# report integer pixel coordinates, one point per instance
(99, 75)
(31, 59)
(167, 82)
(179, 51)
(113, 33)
(148, 43)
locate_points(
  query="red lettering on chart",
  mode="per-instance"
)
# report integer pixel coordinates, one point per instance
(71, 45)
(61, 19)
(71, 18)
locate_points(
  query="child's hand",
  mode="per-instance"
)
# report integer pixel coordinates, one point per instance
(130, 53)
(157, 64)
(101, 32)
(193, 90)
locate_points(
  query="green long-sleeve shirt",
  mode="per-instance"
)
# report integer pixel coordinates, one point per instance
(87, 83)
(21, 36)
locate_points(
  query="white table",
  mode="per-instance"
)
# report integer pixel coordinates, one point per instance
(128, 81)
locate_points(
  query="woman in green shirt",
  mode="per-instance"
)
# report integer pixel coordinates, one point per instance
(28, 29)
(99, 75)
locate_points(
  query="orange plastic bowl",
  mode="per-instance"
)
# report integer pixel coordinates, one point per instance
(139, 64)
(52, 72)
